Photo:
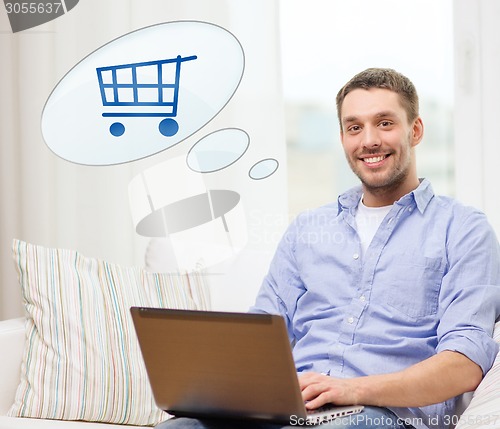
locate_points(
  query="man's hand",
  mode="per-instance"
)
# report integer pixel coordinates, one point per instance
(318, 389)
(431, 381)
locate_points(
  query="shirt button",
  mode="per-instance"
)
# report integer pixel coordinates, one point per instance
(362, 298)
(355, 256)
(350, 320)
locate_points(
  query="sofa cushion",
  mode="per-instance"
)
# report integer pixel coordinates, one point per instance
(81, 359)
(25, 423)
(484, 408)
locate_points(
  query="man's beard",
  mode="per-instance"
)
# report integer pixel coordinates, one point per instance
(390, 183)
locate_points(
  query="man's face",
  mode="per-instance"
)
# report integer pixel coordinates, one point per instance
(378, 140)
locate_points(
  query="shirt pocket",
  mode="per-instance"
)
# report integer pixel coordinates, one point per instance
(414, 287)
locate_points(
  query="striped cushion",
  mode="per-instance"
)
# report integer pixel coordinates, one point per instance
(484, 409)
(82, 360)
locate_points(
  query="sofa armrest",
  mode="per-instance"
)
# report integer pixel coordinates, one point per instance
(12, 334)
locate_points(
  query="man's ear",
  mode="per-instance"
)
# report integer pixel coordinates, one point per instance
(417, 131)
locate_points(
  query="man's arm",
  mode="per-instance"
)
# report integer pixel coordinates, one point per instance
(431, 381)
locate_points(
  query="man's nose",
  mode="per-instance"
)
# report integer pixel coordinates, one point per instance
(371, 137)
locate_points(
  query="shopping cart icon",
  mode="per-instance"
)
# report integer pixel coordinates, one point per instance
(146, 89)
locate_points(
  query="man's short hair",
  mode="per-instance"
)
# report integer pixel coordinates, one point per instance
(382, 78)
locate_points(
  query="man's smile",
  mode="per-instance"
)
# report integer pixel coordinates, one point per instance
(374, 160)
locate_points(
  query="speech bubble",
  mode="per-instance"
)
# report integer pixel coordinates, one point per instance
(142, 93)
(218, 150)
(263, 169)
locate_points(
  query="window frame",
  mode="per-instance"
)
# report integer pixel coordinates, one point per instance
(477, 67)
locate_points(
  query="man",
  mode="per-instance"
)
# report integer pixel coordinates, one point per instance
(390, 295)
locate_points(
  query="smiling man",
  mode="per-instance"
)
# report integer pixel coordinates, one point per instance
(390, 294)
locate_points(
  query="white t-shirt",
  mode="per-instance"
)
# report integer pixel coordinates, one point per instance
(368, 219)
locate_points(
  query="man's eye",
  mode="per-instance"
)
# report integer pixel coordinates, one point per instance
(386, 123)
(354, 128)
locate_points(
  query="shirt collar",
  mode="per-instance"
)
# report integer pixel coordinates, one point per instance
(421, 197)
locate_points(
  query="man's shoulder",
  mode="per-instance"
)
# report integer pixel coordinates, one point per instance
(321, 215)
(457, 215)
(443, 203)
(329, 209)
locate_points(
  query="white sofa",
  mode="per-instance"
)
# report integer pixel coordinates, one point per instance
(11, 350)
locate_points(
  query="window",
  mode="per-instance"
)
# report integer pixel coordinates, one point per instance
(323, 44)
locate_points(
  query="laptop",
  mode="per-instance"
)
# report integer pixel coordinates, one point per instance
(207, 364)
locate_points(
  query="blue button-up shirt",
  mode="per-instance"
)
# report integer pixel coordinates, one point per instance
(429, 281)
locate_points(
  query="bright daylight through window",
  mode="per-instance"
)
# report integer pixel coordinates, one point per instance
(323, 44)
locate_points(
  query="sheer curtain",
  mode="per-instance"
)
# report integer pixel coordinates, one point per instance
(51, 202)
